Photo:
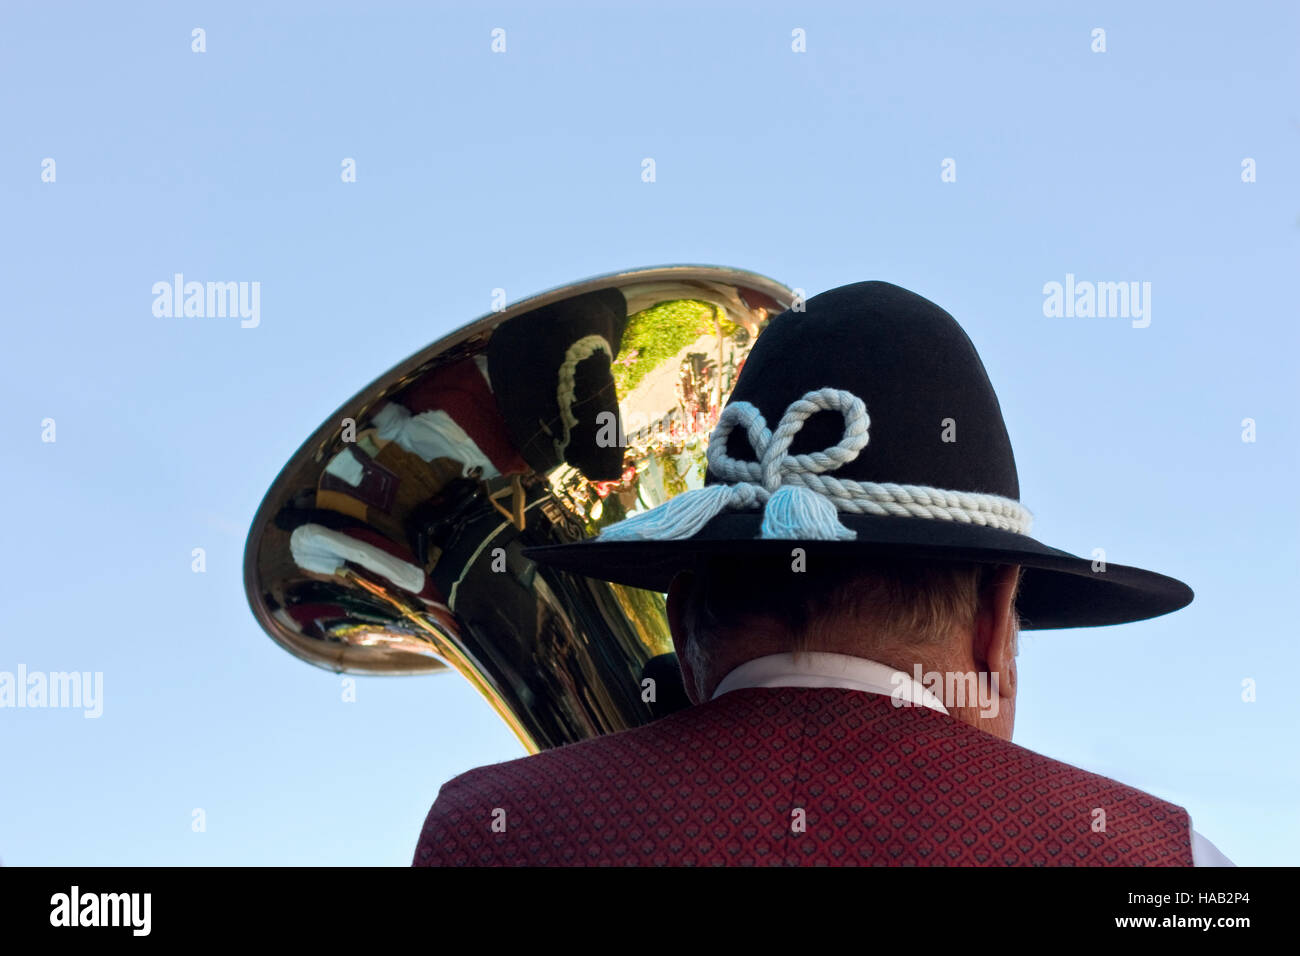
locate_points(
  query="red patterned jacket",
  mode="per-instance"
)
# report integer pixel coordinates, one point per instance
(798, 776)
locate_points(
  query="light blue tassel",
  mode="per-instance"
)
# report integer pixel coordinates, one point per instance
(794, 511)
(679, 517)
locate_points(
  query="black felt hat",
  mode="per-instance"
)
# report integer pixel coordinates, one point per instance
(866, 426)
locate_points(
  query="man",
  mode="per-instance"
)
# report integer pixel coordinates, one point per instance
(845, 596)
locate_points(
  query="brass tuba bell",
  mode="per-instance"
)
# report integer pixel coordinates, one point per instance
(391, 541)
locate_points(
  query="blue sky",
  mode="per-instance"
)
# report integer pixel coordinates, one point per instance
(522, 171)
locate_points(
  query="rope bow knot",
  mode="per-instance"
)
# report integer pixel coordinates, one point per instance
(800, 499)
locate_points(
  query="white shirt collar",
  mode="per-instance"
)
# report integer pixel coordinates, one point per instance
(822, 669)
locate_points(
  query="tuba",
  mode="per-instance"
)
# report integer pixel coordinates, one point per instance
(391, 542)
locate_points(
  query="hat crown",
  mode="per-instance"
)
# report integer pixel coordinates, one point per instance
(934, 417)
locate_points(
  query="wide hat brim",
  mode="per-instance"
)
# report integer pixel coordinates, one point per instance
(1057, 590)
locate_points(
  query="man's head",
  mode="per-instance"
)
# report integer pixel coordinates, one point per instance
(861, 422)
(949, 618)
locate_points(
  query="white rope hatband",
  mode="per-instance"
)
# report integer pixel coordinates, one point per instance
(800, 500)
(577, 353)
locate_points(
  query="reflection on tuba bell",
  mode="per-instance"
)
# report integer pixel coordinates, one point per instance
(391, 541)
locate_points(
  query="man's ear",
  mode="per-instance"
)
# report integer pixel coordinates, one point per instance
(994, 641)
(677, 591)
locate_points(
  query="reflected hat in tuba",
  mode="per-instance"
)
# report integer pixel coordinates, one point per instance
(865, 425)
